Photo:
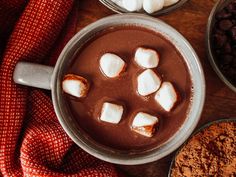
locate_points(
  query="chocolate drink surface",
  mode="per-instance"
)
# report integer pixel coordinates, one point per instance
(123, 41)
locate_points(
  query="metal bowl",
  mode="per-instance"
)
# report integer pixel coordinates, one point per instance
(196, 132)
(211, 22)
(116, 8)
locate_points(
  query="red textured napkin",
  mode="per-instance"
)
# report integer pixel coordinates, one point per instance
(32, 141)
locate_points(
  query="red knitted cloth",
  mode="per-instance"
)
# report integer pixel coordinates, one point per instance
(32, 143)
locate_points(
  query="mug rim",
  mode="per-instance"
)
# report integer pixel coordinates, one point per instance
(113, 157)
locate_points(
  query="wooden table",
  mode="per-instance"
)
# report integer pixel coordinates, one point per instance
(191, 21)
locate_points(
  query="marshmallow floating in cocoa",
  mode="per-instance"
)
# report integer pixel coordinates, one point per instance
(148, 82)
(111, 113)
(133, 5)
(151, 6)
(167, 96)
(75, 85)
(146, 58)
(144, 124)
(111, 65)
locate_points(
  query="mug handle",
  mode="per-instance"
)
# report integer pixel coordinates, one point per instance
(34, 75)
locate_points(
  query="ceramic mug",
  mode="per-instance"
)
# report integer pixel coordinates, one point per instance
(46, 77)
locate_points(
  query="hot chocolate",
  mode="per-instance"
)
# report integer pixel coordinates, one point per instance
(124, 41)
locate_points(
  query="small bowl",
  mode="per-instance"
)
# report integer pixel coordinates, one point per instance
(116, 8)
(196, 132)
(211, 22)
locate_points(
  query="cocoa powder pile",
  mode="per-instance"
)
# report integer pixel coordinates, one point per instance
(211, 152)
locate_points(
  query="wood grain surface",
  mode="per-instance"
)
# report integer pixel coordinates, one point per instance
(190, 20)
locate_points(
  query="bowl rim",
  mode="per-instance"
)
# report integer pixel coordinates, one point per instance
(174, 142)
(120, 10)
(210, 56)
(201, 128)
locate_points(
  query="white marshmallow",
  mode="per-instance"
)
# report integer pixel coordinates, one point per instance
(144, 124)
(133, 5)
(143, 119)
(151, 6)
(148, 82)
(111, 65)
(170, 2)
(75, 85)
(146, 58)
(111, 113)
(166, 96)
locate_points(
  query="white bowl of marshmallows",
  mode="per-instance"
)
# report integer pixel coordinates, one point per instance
(152, 7)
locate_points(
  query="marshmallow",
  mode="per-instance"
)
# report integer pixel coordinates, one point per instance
(148, 82)
(111, 65)
(111, 113)
(145, 124)
(151, 6)
(133, 5)
(75, 85)
(167, 96)
(146, 58)
(170, 2)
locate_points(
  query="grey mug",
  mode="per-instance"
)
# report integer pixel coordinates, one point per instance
(50, 78)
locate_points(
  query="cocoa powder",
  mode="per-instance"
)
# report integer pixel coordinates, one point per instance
(211, 152)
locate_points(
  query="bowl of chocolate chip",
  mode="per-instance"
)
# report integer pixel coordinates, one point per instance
(221, 41)
(128, 89)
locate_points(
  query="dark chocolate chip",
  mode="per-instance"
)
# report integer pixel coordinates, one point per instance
(234, 63)
(231, 8)
(231, 72)
(220, 40)
(218, 52)
(227, 48)
(225, 25)
(233, 51)
(233, 21)
(218, 31)
(224, 68)
(226, 59)
(223, 15)
(233, 32)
